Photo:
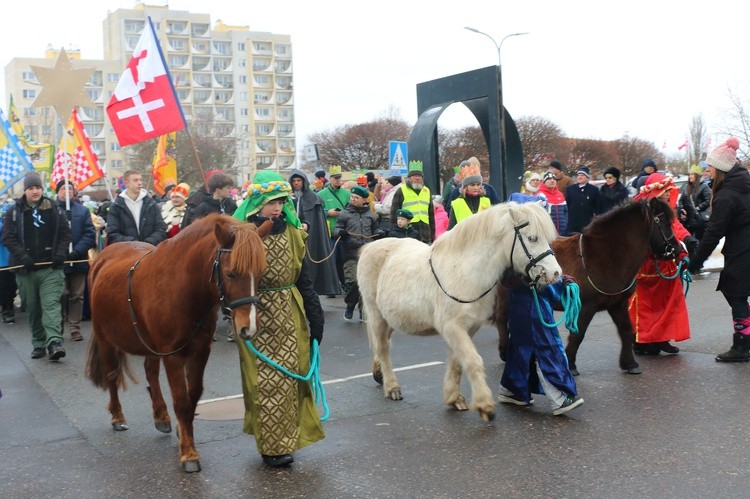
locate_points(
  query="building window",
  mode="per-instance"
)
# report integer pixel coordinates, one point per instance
(113, 77)
(263, 111)
(242, 63)
(243, 96)
(28, 76)
(114, 146)
(244, 128)
(29, 111)
(264, 129)
(242, 79)
(241, 46)
(243, 111)
(281, 49)
(29, 93)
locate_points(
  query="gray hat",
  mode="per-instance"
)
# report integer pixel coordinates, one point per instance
(471, 179)
(32, 179)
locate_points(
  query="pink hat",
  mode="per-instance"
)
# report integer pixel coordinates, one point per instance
(724, 157)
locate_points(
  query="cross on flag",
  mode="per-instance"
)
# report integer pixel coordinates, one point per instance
(144, 104)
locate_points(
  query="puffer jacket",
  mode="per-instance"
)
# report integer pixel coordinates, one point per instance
(357, 226)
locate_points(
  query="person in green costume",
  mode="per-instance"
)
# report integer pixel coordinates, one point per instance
(280, 411)
(335, 198)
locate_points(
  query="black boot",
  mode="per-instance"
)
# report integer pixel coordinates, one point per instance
(740, 351)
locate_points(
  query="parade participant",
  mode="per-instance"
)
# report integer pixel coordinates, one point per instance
(414, 196)
(556, 204)
(403, 227)
(174, 210)
(469, 167)
(647, 168)
(694, 206)
(535, 359)
(657, 308)
(220, 186)
(36, 233)
(135, 216)
(583, 201)
(472, 199)
(280, 411)
(335, 198)
(441, 217)
(384, 191)
(612, 192)
(730, 219)
(83, 233)
(532, 184)
(356, 226)
(308, 207)
(320, 180)
(562, 180)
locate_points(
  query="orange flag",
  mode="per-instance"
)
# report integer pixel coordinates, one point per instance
(164, 166)
(75, 158)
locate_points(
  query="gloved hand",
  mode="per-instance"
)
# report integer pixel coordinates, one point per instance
(343, 233)
(28, 263)
(694, 267)
(690, 243)
(316, 333)
(379, 234)
(74, 255)
(57, 262)
(568, 279)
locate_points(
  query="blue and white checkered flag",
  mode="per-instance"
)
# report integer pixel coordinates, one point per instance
(14, 161)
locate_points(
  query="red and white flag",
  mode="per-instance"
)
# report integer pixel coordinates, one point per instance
(75, 158)
(683, 145)
(145, 104)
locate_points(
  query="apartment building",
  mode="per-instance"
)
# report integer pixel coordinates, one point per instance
(240, 80)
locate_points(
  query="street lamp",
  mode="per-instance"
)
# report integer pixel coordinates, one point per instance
(499, 46)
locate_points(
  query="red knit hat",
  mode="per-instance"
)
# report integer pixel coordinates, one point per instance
(724, 157)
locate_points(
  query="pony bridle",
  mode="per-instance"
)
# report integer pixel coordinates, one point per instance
(228, 308)
(533, 260)
(669, 249)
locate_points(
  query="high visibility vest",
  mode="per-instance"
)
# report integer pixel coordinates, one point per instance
(417, 204)
(461, 210)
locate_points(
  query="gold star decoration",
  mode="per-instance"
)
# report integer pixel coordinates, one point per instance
(62, 86)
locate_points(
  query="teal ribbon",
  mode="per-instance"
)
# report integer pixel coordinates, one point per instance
(313, 375)
(571, 302)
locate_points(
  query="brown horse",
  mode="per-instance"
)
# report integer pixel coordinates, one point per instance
(162, 303)
(604, 259)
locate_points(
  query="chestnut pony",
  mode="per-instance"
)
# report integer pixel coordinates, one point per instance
(162, 302)
(604, 259)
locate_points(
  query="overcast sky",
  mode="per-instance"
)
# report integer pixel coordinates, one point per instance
(597, 69)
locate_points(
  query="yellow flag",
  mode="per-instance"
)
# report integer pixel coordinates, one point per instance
(164, 166)
(42, 155)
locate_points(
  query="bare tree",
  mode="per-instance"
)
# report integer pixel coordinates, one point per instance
(458, 145)
(631, 153)
(360, 146)
(542, 141)
(739, 126)
(698, 140)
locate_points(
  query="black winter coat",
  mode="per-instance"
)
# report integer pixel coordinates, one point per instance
(55, 231)
(121, 224)
(82, 232)
(583, 204)
(730, 218)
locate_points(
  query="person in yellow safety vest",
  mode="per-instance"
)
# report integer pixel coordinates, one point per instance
(414, 196)
(472, 200)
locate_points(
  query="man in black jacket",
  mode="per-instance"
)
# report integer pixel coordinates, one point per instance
(135, 216)
(583, 201)
(37, 234)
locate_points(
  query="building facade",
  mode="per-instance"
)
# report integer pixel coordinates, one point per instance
(241, 81)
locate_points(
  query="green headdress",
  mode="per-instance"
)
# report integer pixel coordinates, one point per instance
(266, 186)
(415, 168)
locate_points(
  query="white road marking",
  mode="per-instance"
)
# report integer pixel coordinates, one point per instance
(334, 381)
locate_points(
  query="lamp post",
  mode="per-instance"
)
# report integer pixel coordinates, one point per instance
(499, 46)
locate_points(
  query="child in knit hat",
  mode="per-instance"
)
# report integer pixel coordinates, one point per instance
(730, 218)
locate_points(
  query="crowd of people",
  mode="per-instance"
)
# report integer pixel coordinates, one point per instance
(319, 226)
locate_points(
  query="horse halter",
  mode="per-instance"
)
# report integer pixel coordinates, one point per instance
(228, 308)
(533, 260)
(669, 248)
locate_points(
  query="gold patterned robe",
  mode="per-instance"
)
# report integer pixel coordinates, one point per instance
(279, 410)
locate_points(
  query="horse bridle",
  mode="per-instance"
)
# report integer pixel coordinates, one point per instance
(533, 260)
(226, 308)
(669, 250)
(532, 263)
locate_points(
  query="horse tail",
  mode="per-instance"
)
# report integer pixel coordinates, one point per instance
(100, 374)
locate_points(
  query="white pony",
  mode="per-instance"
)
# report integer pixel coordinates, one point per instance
(448, 288)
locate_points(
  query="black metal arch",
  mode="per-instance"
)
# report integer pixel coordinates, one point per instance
(479, 91)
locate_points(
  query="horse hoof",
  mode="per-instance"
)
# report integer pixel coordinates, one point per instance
(634, 370)
(395, 394)
(575, 372)
(191, 466)
(460, 406)
(378, 377)
(487, 416)
(164, 427)
(119, 426)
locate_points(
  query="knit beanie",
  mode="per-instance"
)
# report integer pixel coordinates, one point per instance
(61, 183)
(471, 179)
(182, 190)
(696, 169)
(32, 179)
(724, 157)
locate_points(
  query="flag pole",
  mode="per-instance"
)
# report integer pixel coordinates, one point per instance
(197, 158)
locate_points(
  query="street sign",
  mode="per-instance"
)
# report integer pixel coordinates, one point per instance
(310, 152)
(398, 157)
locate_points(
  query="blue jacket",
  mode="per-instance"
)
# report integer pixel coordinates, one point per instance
(4, 253)
(83, 234)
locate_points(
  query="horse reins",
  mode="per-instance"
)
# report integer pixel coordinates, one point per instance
(226, 308)
(588, 277)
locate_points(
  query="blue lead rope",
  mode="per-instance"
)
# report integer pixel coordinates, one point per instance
(313, 376)
(571, 302)
(682, 271)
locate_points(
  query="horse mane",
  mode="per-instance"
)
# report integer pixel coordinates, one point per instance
(248, 255)
(494, 220)
(617, 216)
